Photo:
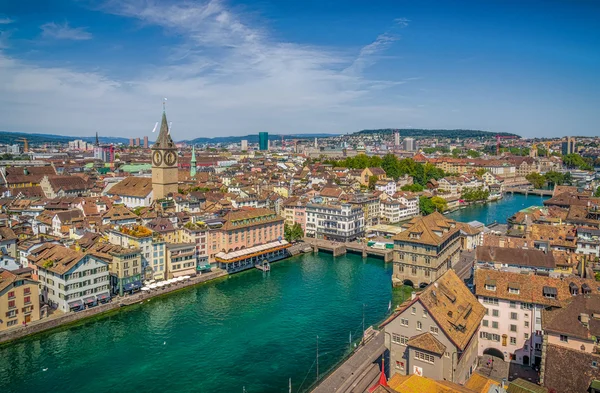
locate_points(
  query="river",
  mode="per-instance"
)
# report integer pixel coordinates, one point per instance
(252, 330)
(498, 211)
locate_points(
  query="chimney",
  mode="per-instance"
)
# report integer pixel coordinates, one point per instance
(584, 319)
(413, 295)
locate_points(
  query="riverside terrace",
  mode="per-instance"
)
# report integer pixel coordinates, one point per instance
(236, 261)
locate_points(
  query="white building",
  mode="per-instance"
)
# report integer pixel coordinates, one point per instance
(411, 201)
(343, 222)
(133, 191)
(70, 280)
(387, 186)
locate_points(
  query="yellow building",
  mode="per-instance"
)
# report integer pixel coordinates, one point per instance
(181, 259)
(19, 300)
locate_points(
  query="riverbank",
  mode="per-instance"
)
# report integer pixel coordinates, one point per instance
(70, 318)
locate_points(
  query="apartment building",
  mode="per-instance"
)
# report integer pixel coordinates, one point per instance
(150, 246)
(19, 298)
(342, 223)
(181, 260)
(371, 207)
(435, 333)
(125, 267)
(411, 201)
(197, 233)
(69, 279)
(425, 249)
(515, 303)
(295, 212)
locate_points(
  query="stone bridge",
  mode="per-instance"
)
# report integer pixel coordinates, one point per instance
(337, 248)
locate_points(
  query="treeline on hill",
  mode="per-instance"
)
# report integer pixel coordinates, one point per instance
(11, 138)
(393, 167)
(424, 133)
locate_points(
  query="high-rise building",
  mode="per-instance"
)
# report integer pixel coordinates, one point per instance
(164, 162)
(410, 144)
(568, 145)
(396, 138)
(137, 142)
(263, 140)
(244, 144)
(130, 142)
(146, 142)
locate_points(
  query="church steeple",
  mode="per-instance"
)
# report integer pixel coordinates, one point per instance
(164, 140)
(193, 163)
(97, 140)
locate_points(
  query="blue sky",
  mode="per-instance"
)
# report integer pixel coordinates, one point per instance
(235, 68)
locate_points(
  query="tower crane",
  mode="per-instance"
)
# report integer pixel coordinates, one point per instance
(25, 144)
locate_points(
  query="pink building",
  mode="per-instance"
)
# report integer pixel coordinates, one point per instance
(295, 212)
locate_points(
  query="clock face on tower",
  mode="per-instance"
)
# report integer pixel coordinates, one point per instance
(170, 158)
(157, 158)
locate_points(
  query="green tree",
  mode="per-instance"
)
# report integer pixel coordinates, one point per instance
(541, 151)
(475, 194)
(426, 206)
(473, 154)
(292, 233)
(574, 160)
(412, 187)
(372, 180)
(391, 166)
(597, 193)
(480, 172)
(556, 178)
(439, 203)
(536, 179)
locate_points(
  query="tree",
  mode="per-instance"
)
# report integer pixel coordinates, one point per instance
(473, 154)
(574, 160)
(597, 193)
(390, 165)
(292, 233)
(412, 187)
(480, 171)
(557, 178)
(536, 179)
(475, 194)
(372, 180)
(439, 203)
(426, 206)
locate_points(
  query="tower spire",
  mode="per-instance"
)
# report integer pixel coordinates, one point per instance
(193, 163)
(97, 140)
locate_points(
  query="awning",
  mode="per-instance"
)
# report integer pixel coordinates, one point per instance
(203, 267)
(90, 299)
(103, 296)
(184, 272)
(549, 291)
(75, 304)
(132, 285)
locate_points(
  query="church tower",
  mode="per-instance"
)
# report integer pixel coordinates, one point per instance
(164, 162)
(193, 163)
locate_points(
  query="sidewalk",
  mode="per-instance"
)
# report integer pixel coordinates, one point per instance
(353, 370)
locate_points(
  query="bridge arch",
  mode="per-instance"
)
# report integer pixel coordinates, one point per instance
(408, 283)
(423, 285)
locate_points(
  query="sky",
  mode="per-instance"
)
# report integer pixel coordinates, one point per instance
(74, 67)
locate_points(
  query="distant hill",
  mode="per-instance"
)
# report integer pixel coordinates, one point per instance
(9, 137)
(423, 133)
(254, 138)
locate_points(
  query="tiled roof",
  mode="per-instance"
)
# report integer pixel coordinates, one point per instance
(427, 342)
(432, 229)
(566, 320)
(531, 287)
(55, 258)
(138, 187)
(417, 384)
(513, 256)
(569, 370)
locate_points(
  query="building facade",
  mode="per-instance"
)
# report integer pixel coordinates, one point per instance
(164, 163)
(342, 223)
(19, 300)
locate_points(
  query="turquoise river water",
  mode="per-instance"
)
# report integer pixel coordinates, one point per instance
(251, 330)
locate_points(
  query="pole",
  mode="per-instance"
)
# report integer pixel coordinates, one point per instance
(363, 324)
(317, 358)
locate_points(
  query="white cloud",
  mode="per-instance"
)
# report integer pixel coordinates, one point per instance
(5, 20)
(64, 32)
(227, 77)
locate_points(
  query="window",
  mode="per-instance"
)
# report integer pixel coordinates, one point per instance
(11, 323)
(487, 311)
(489, 300)
(526, 335)
(11, 295)
(404, 322)
(434, 329)
(419, 325)
(526, 323)
(513, 328)
(485, 323)
(399, 365)
(11, 304)
(513, 315)
(514, 291)
(513, 304)
(495, 313)
(494, 325)
(27, 299)
(490, 287)
(564, 339)
(538, 346)
(424, 357)
(26, 291)
(413, 311)
(396, 338)
(425, 313)
(513, 341)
